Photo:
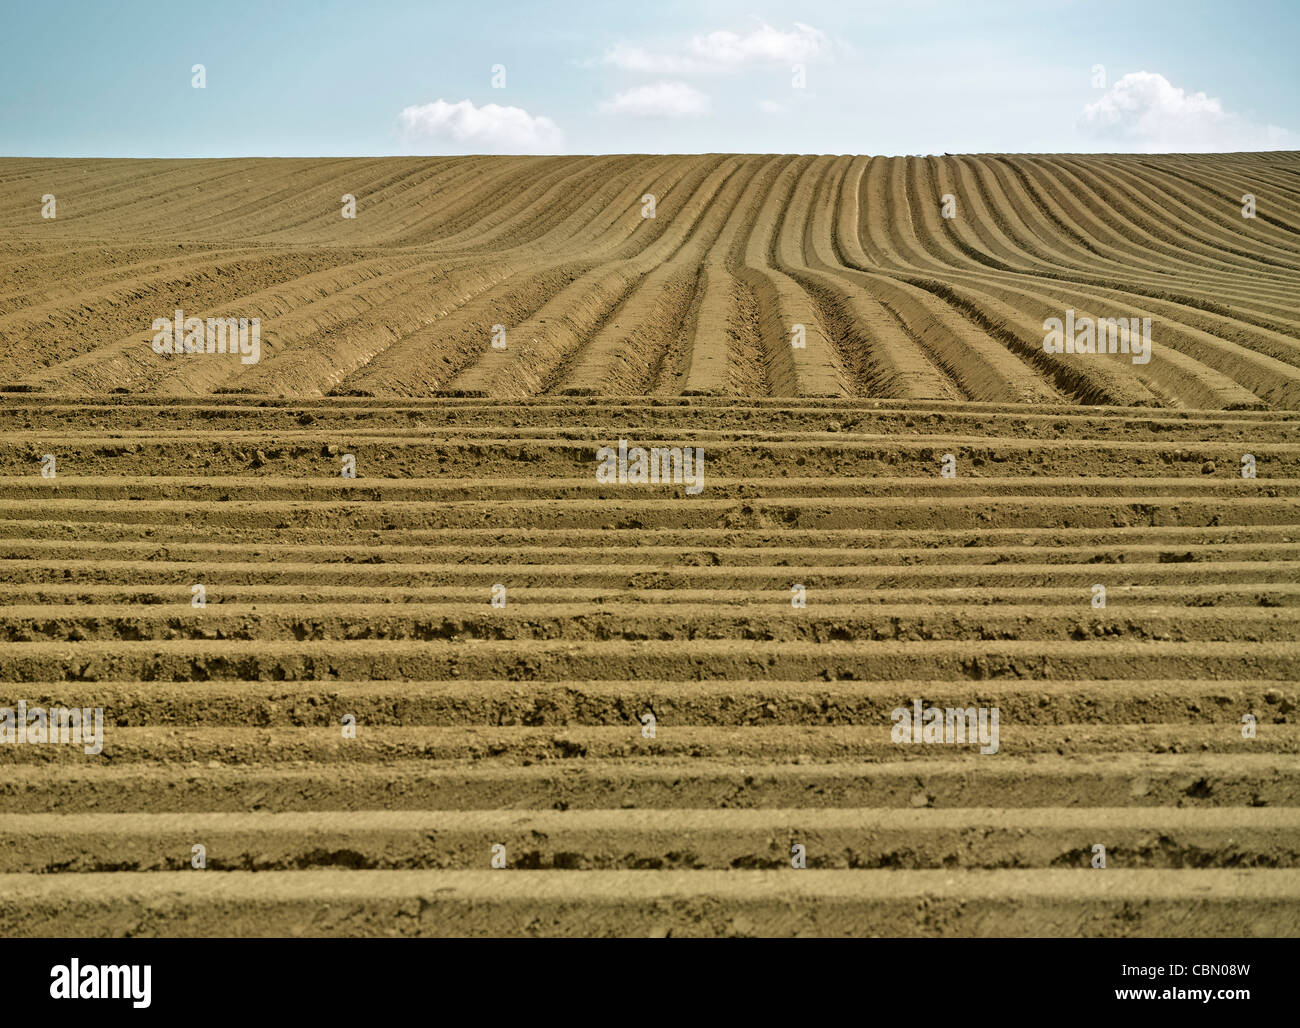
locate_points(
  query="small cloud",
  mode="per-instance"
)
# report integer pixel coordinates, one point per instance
(639, 59)
(771, 107)
(1146, 110)
(765, 45)
(663, 99)
(724, 51)
(487, 129)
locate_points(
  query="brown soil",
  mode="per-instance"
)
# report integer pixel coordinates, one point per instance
(521, 726)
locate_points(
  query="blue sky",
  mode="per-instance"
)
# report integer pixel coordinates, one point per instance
(291, 78)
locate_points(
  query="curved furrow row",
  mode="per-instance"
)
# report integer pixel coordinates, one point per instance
(786, 315)
(543, 203)
(312, 210)
(1259, 375)
(100, 196)
(92, 274)
(535, 358)
(1245, 309)
(326, 362)
(310, 299)
(1018, 315)
(1216, 217)
(458, 338)
(118, 318)
(1164, 207)
(727, 353)
(781, 275)
(1281, 200)
(884, 357)
(1084, 216)
(455, 219)
(645, 349)
(633, 352)
(1133, 216)
(979, 353)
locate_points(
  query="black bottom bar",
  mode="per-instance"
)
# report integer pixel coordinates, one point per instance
(1013, 979)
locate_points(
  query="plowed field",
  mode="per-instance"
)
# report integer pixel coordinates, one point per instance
(767, 627)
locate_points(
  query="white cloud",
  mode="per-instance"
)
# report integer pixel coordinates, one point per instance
(765, 45)
(771, 107)
(637, 58)
(487, 129)
(1145, 110)
(663, 99)
(724, 51)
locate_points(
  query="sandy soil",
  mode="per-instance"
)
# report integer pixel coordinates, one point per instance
(521, 726)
